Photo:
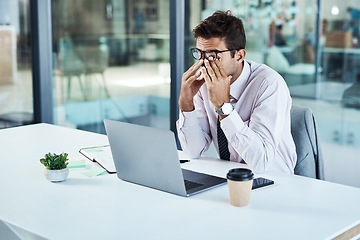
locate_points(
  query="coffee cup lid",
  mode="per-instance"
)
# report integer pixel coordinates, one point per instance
(240, 174)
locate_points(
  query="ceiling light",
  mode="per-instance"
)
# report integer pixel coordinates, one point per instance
(335, 10)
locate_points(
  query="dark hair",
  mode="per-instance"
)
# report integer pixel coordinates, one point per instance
(222, 24)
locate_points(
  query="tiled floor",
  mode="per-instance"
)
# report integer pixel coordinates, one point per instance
(146, 78)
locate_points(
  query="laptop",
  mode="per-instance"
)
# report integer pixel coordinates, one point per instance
(149, 157)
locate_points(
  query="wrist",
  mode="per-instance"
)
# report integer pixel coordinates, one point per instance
(186, 107)
(221, 102)
(225, 109)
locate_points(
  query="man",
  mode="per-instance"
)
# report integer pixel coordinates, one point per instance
(249, 102)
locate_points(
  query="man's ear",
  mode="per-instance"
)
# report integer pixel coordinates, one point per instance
(240, 55)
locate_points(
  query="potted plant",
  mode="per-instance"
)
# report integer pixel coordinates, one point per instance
(56, 166)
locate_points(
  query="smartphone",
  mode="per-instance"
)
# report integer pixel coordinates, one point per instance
(261, 182)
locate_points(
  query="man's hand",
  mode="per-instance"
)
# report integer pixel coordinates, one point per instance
(190, 85)
(218, 83)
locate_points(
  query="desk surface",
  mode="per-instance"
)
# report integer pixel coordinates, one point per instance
(105, 207)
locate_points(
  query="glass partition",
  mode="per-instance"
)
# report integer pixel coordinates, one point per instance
(16, 99)
(277, 33)
(112, 61)
(318, 57)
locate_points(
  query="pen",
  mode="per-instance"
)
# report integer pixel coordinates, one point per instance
(184, 161)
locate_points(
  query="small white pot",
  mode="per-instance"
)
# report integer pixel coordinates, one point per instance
(57, 175)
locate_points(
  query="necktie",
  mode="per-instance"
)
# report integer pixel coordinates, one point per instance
(223, 144)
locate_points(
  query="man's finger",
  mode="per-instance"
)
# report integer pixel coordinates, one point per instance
(216, 69)
(210, 71)
(192, 70)
(192, 79)
(206, 76)
(199, 75)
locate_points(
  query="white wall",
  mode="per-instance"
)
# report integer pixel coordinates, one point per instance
(9, 13)
(342, 5)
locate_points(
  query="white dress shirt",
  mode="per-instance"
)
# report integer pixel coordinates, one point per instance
(258, 130)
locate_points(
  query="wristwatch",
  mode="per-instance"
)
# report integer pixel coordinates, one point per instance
(225, 109)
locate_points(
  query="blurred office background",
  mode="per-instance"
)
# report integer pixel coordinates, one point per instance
(111, 59)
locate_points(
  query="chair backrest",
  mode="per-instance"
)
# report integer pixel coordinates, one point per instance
(304, 132)
(95, 57)
(70, 62)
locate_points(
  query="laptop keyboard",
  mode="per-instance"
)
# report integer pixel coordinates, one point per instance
(190, 185)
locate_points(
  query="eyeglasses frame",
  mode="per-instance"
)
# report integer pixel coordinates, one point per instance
(203, 53)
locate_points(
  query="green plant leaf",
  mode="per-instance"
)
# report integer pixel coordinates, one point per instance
(55, 161)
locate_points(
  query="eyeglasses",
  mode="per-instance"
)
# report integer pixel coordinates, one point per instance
(198, 54)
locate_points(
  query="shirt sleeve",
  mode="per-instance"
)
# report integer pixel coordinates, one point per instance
(257, 139)
(193, 130)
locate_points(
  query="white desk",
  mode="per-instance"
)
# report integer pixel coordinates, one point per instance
(105, 207)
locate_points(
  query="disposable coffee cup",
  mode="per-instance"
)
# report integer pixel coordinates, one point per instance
(240, 182)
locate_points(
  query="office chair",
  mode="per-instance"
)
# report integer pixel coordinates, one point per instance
(305, 135)
(96, 61)
(294, 74)
(71, 65)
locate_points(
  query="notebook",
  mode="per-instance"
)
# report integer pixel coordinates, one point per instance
(149, 157)
(100, 154)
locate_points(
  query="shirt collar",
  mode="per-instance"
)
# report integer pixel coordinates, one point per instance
(238, 86)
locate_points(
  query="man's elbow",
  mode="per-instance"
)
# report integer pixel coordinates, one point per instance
(264, 161)
(260, 167)
(192, 154)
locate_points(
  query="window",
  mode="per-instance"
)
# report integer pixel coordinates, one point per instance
(16, 100)
(112, 61)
